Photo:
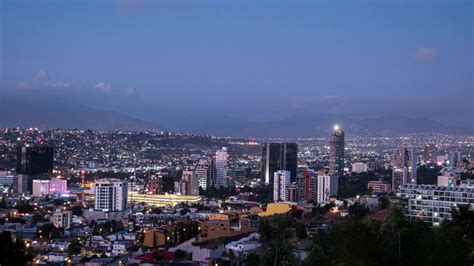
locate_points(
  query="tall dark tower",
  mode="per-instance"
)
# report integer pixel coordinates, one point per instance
(34, 160)
(279, 156)
(336, 152)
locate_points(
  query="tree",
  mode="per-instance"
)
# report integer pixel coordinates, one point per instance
(358, 210)
(300, 229)
(76, 210)
(74, 247)
(384, 202)
(12, 253)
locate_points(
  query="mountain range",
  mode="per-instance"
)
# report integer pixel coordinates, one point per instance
(74, 115)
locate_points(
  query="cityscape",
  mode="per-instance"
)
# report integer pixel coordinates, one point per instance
(238, 133)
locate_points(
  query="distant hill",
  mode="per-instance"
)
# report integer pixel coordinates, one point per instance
(66, 115)
(320, 126)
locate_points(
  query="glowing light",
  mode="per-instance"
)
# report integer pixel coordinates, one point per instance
(336, 127)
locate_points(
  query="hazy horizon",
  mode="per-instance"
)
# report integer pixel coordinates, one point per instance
(189, 64)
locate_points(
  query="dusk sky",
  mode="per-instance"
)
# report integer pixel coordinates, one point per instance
(244, 58)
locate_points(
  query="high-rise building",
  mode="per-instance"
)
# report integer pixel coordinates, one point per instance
(110, 195)
(155, 185)
(221, 167)
(431, 153)
(454, 158)
(34, 160)
(399, 177)
(281, 180)
(292, 192)
(336, 152)
(279, 156)
(406, 158)
(40, 188)
(327, 187)
(191, 183)
(307, 186)
(205, 172)
(62, 219)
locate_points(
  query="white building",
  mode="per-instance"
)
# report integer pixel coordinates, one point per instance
(221, 163)
(205, 172)
(359, 167)
(58, 186)
(327, 187)
(281, 179)
(432, 203)
(6, 180)
(62, 219)
(40, 188)
(110, 195)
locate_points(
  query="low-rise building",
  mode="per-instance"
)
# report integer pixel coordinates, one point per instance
(379, 186)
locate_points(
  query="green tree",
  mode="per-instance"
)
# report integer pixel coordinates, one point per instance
(12, 253)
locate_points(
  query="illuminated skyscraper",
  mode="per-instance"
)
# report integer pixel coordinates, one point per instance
(205, 172)
(221, 167)
(279, 156)
(336, 152)
(405, 158)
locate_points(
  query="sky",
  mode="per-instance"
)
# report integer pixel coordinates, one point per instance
(243, 60)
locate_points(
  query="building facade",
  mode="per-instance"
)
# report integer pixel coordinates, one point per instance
(205, 172)
(221, 168)
(307, 186)
(404, 158)
(281, 180)
(327, 187)
(111, 195)
(432, 203)
(279, 156)
(336, 152)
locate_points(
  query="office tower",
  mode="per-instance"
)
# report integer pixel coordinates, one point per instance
(20, 184)
(154, 185)
(191, 183)
(62, 219)
(279, 156)
(221, 168)
(110, 195)
(40, 188)
(431, 153)
(336, 152)
(327, 187)
(281, 180)
(399, 177)
(34, 160)
(205, 172)
(58, 186)
(359, 168)
(406, 158)
(292, 192)
(307, 186)
(454, 158)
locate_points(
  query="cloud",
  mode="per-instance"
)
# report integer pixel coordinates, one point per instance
(426, 54)
(58, 84)
(22, 85)
(41, 76)
(103, 87)
(130, 92)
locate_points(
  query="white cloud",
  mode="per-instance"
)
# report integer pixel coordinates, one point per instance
(58, 84)
(426, 54)
(22, 85)
(130, 91)
(103, 87)
(41, 76)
